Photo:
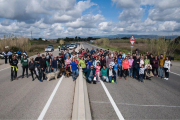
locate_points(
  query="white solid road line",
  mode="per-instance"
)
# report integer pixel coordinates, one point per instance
(175, 73)
(112, 102)
(41, 116)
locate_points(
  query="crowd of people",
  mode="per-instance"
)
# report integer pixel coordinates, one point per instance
(96, 65)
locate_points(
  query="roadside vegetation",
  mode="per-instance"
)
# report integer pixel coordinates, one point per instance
(171, 47)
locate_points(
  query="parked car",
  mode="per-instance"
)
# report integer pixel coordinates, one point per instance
(1, 56)
(51, 45)
(67, 45)
(64, 47)
(49, 49)
(72, 47)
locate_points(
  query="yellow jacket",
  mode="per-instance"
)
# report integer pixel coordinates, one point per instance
(161, 62)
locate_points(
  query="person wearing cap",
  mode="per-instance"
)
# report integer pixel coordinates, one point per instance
(24, 65)
(128, 56)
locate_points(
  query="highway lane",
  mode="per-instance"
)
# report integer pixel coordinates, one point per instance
(155, 99)
(25, 99)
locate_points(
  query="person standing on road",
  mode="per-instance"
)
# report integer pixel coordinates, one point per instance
(19, 54)
(111, 74)
(32, 66)
(43, 67)
(59, 47)
(104, 76)
(48, 62)
(5, 56)
(119, 61)
(136, 63)
(146, 60)
(155, 66)
(9, 54)
(109, 60)
(67, 54)
(74, 69)
(95, 62)
(24, 65)
(92, 51)
(55, 64)
(103, 61)
(82, 63)
(131, 66)
(116, 68)
(161, 65)
(141, 73)
(167, 65)
(125, 67)
(14, 68)
(98, 72)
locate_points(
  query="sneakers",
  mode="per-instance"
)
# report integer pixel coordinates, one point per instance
(44, 79)
(125, 78)
(166, 78)
(119, 77)
(116, 82)
(156, 75)
(40, 81)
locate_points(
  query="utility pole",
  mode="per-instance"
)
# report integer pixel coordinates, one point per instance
(31, 35)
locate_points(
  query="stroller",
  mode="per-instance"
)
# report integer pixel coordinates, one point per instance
(148, 71)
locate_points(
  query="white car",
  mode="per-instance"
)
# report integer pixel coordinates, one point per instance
(49, 49)
(72, 47)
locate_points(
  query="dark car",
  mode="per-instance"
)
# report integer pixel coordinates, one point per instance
(64, 47)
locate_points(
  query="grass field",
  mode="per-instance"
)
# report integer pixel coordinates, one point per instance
(141, 44)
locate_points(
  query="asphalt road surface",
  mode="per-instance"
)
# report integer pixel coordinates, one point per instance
(153, 99)
(27, 99)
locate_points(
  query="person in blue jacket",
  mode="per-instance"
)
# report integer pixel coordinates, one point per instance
(19, 54)
(74, 69)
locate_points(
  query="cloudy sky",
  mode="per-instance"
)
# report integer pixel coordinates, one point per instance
(61, 18)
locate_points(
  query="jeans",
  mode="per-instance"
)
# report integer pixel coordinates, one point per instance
(141, 77)
(161, 71)
(116, 71)
(75, 73)
(48, 70)
(136, 72)
(55, 69)
(120, 67)
(166, 73)
(42, 74)
(111, 78)
(130, 71)
(90, 78)
(105, 78)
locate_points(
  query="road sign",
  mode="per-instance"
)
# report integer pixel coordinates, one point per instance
(132, 40)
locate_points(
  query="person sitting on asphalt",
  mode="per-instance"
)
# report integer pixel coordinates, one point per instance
(89, 74)
(14, 68)
(104, 76)
(111, 74)
(24, 65)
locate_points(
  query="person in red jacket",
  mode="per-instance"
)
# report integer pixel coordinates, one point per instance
(125, 67)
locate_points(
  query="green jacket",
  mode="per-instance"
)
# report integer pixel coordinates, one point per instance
(87, 71)
(24, 62)
(146, 61)
(104, 72)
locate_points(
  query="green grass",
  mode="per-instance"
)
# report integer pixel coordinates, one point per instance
(113, 49)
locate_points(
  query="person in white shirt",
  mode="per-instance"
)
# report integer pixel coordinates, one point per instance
(167, 65)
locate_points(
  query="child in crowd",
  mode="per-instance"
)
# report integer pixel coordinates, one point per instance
(116, 68)
(141, 73)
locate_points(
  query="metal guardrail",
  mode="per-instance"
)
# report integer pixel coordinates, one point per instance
(81, 107)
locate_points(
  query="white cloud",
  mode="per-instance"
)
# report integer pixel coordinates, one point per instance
(127, 3)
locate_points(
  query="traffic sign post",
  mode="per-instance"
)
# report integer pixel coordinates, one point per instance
(132, 41)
